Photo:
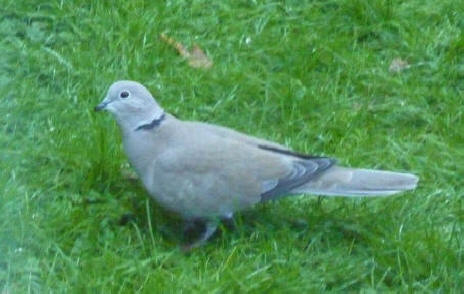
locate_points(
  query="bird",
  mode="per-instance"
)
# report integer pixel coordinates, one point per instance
(206, 172)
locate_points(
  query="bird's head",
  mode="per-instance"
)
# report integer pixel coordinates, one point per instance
(131, 104)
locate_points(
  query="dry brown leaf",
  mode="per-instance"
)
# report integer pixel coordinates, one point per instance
(398, 65)
(196, 58)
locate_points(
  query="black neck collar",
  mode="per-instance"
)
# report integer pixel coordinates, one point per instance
(154, 123)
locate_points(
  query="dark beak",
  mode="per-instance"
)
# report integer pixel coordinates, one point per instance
(101, 106)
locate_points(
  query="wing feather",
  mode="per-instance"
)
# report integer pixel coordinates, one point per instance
(304, 169)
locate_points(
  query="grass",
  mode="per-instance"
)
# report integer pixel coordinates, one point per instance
(311, 74)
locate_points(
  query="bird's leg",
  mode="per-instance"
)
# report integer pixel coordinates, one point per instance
(210, 229)
(228, 221)
(190, 226)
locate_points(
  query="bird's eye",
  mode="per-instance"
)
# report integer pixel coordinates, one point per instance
(124, 94)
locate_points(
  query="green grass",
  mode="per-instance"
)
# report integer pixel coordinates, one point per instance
(311, 74)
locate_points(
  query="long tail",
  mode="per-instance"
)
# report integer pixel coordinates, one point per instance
(342, 181)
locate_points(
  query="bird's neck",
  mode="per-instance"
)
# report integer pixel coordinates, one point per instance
(155, 122)
(135, 122)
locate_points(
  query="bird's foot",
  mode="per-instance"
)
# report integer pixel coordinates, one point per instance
(210, 229)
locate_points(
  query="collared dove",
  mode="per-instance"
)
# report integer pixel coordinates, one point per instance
(208, 172)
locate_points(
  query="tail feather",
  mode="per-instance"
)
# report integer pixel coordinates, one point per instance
(342, 181)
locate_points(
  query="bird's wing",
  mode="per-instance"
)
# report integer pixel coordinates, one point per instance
(304, 169)
(231, 174)
(232, 134)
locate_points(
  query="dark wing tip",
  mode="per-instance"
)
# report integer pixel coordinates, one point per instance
(291, 153)
(305, 170)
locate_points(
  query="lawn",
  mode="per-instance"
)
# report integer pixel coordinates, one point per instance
(314, 75)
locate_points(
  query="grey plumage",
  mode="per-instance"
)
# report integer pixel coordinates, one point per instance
(206, 171)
